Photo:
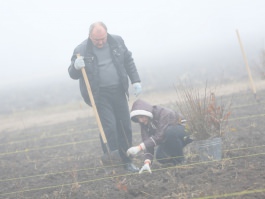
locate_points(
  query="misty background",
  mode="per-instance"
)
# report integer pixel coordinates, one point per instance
(170, 40)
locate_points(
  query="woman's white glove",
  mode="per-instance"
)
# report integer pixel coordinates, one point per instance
(135, 149)
(146, 167)
(79, 63)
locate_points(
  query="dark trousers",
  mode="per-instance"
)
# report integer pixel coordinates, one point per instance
(114, 114)
(171, 150)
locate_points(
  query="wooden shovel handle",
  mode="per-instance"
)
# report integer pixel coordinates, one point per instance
(93, 104)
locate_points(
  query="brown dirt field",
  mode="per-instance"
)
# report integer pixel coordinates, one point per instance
(55, 153)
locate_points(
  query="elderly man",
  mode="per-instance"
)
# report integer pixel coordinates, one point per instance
(108, 64)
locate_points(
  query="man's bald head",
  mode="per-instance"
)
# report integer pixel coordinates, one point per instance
(98, 34)
(98, 25)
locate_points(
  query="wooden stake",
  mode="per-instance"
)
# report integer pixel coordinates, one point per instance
(247, 66)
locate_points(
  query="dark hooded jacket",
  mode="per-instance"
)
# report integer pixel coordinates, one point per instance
(122, 59)
(160, 119)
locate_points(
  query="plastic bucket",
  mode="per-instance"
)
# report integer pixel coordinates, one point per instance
(210, 149)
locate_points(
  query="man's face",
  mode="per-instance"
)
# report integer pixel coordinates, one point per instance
(143, 119)
(98, 36)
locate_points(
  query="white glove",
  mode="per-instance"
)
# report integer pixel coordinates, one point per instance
(146, 166)
(137, 88)
(135, 149)
(183, 122)
(79, 63)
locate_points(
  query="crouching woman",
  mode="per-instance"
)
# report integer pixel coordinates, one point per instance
(160, 127)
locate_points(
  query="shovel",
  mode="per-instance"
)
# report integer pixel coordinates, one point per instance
(95, 109)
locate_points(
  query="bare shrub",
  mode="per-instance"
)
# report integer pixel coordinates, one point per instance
(206, 115)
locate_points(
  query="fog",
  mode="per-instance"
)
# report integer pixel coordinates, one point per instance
(169, 39)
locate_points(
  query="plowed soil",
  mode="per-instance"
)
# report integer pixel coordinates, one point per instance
(62, 159)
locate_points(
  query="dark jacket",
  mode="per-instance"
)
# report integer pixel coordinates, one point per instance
(161, 118)
(122, 59)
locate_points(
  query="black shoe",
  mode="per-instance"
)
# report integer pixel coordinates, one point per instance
(131, 167)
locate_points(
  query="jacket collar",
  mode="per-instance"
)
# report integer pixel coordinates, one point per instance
(112, 42)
